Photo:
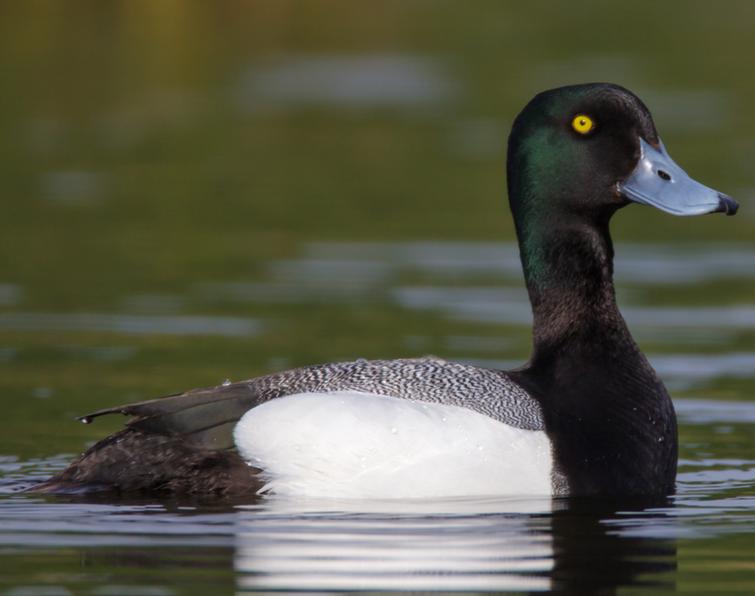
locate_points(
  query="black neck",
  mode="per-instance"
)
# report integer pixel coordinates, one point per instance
(568, 267)
(608, 414)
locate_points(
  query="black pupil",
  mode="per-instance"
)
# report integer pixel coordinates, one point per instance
(664, 175)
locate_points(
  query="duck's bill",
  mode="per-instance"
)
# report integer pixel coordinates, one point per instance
(659, 182)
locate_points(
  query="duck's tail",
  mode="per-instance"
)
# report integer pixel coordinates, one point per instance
(204, 418)
(177, 444)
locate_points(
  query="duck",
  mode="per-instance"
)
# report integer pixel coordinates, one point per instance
(586, 416)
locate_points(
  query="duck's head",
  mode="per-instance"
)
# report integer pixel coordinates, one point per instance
(591, 149)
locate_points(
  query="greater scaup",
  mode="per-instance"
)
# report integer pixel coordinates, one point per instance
(587, 415)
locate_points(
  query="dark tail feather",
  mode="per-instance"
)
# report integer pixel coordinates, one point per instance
(176, 444)
(204, 417)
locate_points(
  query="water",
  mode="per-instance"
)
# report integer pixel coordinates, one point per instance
(199, 192)
(516, 544)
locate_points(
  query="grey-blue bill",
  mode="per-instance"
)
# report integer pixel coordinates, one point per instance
(658, 181)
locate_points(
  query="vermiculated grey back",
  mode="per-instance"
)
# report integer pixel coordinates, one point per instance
(486, 391)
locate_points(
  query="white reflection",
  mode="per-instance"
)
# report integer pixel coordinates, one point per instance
(380, 545)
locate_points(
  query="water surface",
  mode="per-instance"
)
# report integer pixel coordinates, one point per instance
(495, 544)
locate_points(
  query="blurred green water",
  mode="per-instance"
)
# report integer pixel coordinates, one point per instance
(149, 148)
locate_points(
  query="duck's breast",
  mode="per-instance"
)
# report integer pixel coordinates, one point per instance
(352, 444)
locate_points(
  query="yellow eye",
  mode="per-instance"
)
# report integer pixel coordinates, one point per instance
(582, 124)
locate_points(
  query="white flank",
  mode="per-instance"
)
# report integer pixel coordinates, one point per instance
(350, 444)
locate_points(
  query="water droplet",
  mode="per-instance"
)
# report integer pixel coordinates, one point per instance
(226, 383)
(444, 419)
(85, 420)
(660, 439)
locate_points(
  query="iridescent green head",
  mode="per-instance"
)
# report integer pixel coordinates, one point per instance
(578, 153)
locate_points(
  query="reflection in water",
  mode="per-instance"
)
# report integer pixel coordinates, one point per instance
(381, 552)
(454, 545)
(591, 556)
(155, 572)
(290, 545)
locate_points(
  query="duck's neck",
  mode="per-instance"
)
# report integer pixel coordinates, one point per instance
(568, 267)
(608, 415)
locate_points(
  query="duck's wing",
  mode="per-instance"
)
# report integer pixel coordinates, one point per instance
(205, 418)
(183, 444)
